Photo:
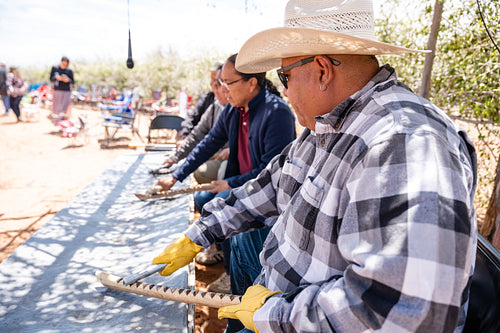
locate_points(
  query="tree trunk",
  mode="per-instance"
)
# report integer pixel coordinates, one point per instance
(431, 45)
(489, 228)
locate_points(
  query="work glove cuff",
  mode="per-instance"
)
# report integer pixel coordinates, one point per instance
(251, 301)
(178, 254)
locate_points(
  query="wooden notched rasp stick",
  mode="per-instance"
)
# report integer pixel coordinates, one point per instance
(196, 297)
(169, 193)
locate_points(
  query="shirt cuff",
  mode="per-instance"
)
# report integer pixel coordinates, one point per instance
(195, 234)
(269, 313)
(177, 175)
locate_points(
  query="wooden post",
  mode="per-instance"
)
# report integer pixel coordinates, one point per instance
(431, 45)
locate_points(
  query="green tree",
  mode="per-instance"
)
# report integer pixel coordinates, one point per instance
(466, 70)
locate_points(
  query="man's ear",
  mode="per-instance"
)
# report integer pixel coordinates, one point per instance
(326, 69)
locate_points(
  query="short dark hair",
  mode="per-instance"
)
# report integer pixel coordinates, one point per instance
(64, 58)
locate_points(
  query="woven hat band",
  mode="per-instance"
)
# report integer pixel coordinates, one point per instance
(353, 23)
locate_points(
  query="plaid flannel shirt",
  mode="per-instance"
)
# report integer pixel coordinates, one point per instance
(373, 220)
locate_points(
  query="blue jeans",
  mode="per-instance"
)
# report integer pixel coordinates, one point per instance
(244, 263)
(245, 266)
(200, 199)
(6, 103)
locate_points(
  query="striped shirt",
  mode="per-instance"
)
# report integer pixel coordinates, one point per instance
(373, 223)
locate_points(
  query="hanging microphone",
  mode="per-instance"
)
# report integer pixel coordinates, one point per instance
(130, 62)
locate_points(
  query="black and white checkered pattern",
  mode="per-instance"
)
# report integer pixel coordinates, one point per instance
(373, 220)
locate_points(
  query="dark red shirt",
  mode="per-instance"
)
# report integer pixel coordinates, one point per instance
(243, 152)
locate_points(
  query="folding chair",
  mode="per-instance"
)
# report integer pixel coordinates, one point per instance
(483, 314)
(122, 116)
(79, 95)
(31, 106)
(167, 122)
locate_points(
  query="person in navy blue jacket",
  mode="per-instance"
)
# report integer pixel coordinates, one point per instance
(258, 124)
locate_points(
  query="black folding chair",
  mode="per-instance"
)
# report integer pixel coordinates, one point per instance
(164, 122)
(484, 300)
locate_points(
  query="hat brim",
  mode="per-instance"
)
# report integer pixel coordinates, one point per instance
(264, 51)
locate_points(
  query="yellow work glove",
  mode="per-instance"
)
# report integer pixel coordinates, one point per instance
(254, 298)
(178, 254)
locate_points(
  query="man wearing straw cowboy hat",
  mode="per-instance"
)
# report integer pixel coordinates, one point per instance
(371, 208)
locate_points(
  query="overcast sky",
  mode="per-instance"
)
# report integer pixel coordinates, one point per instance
(39, 32)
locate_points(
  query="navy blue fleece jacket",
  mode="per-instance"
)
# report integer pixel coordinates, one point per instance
(272, 127)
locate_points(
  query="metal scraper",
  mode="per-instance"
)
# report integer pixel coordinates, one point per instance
(129, 279)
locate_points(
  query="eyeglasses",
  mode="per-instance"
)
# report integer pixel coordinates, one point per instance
(227, 84)
(216, 82)
(284, 77)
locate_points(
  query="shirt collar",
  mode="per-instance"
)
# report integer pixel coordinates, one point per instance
(257, 99)
(337, 116)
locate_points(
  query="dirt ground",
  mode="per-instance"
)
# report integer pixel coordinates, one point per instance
(40, 172)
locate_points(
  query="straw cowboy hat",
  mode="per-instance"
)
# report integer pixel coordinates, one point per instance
(315, 27)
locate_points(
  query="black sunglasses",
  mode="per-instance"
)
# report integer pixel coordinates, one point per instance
(284, 77)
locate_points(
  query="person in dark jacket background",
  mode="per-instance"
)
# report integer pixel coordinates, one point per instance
(62, 78)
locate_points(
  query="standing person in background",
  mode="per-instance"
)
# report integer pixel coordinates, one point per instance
(16, 88)
(62, 78)
(3, 88)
